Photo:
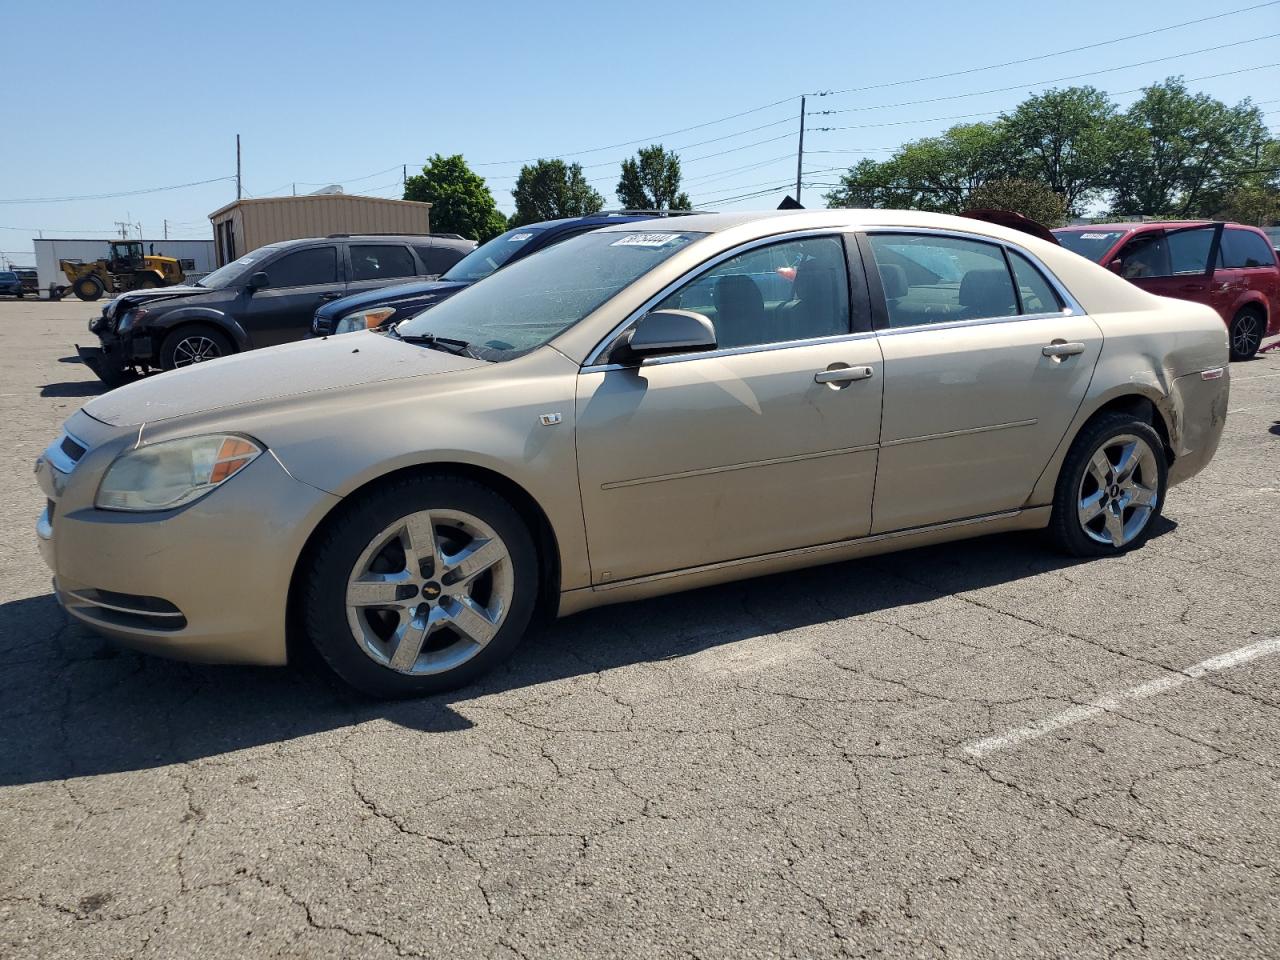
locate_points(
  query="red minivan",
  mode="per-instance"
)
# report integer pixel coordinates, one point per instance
(1227, 266)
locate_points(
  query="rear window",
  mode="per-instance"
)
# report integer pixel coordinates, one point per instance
(1244, 248)
(1092, 244)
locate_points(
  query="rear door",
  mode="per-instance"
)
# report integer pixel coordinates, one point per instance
(982, 376)
(298, 282)
(1251, 257)
(1181, 263)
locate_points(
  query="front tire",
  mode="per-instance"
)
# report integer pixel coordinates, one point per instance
(1245, 334)
(420, 586)
(88, 288)
(1111, 488)
(193, 344)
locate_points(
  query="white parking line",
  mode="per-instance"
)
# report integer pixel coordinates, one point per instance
(1261, 376)
(1112, 701)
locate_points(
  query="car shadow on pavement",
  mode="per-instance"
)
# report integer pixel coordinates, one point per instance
(73, 388)
(74, 705)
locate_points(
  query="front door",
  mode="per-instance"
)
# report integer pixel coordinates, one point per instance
(738, 452)
(1181, 263)
(298, 282)
(982, 377)
(375, 265)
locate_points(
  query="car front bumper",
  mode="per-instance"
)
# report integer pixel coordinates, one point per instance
(208, 582)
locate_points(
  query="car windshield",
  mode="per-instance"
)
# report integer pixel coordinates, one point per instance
(485, 259)
(532, 301)
(229, 273)
(1092, 244)
(5, 275)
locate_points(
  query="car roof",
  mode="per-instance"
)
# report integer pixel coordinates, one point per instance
(1139, 225)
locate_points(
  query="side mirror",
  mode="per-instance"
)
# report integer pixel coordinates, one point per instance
(259, 280)
(668, 331)
(1116, 266)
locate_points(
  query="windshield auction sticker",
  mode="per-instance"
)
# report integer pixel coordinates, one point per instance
(517, 237)
(645, 240)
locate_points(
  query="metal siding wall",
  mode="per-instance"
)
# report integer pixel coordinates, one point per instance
(259, 222)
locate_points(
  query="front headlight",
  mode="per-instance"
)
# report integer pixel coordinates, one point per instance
(166, 475)
(365, 320)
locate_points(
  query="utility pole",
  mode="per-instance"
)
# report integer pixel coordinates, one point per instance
(239, 189)
(123, 226)
(166, 229)
(404, 177)
(800, 152)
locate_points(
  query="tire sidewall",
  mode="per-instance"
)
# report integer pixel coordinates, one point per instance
(171, 341)
(1065, 524)
(327, 569)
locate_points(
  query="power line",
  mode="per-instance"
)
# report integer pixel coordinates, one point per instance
(1047, 56)
(1037, 83)
(112, 196)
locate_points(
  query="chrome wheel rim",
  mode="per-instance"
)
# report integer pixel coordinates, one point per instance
(194, 350)
(1247, 334)
(430, 592)
(1119, 491)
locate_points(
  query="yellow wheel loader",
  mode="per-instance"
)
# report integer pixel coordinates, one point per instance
(128, 268)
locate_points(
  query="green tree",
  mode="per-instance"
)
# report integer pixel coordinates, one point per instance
(461, 202)
(1032, 199)
(935, 174)
(1185, 152)
(1066, 139)
(550, 190)
(651, 181)
(1255, 198)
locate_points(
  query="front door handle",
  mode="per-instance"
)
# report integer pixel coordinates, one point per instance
(842, 374)
(332, 296)
(1060, 348)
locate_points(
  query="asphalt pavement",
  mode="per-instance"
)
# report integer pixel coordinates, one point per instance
(977, 750)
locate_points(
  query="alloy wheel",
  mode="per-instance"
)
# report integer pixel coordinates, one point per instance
(194, 350)
(429, 592)
(1246, 334)
(1119, 490)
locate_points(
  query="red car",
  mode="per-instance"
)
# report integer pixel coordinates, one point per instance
(1227, 266)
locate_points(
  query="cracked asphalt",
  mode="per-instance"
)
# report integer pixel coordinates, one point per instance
(774, 768)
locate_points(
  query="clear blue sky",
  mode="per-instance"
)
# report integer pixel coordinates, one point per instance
(345, 93)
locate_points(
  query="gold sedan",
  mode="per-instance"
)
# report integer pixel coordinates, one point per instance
(638, 410)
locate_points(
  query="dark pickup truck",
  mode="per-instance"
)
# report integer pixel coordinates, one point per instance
(265, 298)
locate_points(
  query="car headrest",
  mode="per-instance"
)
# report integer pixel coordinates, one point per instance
(894, 279)
(988, 292)
(737, 294)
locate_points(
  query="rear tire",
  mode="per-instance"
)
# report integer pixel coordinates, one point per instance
(454, 575)
(88, 288)
(146, 283)
(193, 344)
(1246, 333)
(1111, 488)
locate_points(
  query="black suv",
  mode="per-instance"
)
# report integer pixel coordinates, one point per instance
(262, 299)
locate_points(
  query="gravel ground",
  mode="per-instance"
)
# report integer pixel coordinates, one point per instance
(856, 760)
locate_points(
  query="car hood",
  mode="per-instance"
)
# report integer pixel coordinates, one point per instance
(308, 366)
(388, 295)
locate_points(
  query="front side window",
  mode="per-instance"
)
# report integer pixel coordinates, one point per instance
(794, 290)
(381, 262)
(304, 268)
(1189, 250)
(1245, 249)
(934, 279)
(530, 302)
(1146, 255)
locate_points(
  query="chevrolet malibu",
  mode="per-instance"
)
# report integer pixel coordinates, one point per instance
(638, 410)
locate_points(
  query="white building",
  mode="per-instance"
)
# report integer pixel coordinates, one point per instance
(195, 256)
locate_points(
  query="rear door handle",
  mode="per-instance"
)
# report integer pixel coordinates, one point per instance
(1060, 348)
(842, 375)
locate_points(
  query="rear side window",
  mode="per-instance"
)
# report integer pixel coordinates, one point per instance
(932, 279)
(305, 268)
(1244, 248)
(1035, 292)
(437, 258)
(381, 262)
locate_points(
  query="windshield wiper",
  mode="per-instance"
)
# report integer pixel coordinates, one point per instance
(447, 344)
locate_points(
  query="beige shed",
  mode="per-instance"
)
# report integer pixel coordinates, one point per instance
(245, 225)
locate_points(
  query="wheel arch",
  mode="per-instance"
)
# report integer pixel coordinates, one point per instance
(167, 323)
(545, 540)
(1140, 400)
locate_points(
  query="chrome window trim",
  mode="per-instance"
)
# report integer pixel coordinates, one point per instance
(1072, 306)
(593, 358)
